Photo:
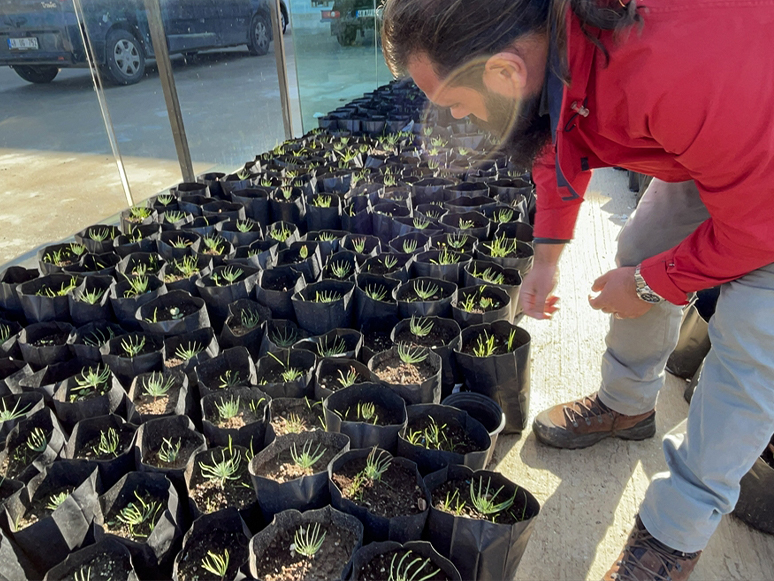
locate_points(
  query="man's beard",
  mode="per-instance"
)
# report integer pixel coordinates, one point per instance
(522, 133)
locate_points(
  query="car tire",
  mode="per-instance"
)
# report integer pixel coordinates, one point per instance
(260, 35)
(284, 18)
(40, 74)
(124, 58)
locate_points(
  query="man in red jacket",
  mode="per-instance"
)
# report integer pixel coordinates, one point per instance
(678, 89)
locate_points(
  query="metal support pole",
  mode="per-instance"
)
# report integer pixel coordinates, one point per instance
(282, 75)
(159, 39)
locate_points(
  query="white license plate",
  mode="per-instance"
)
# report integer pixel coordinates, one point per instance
(365, 13)
(23, 43)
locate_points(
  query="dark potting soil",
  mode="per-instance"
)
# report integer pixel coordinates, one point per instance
(410, 296)
(301, 418)
(165, 314)
(501, 343)
(75, 395)
(395, 494)
(281, 283)
(378, 267)
(102, 566)
(148, 347)
(275, 375)
(20, 457)
(479, 309)
(157, 406)
(236, 326)
(190, 568)
(90, 450)
(332, 381)
(459, 503)
(56, 338)
(378, 569)
(188, 445)
(453, 437)
(40, 508)
(439, 336)
(245, 417)
(381, 417)
(377, 341)
(393, 370)
(279, 562)
(138, 533)
(209, 496)
(283, 469)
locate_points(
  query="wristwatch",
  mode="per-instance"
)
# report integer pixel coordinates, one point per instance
(643, 290)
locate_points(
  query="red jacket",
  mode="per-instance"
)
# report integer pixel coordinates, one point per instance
(690, 96)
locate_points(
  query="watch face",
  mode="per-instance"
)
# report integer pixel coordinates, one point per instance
(650, 298)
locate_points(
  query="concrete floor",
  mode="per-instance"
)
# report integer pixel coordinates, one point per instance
(590, 497)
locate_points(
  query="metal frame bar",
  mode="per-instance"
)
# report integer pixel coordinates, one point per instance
(159, 39)
(282, 75)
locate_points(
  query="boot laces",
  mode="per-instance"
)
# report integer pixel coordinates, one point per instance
(641, 543)
(585, 409)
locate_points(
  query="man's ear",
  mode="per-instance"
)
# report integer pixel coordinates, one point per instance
(506, 73)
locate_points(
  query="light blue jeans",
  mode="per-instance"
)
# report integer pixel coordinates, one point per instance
(731, 417)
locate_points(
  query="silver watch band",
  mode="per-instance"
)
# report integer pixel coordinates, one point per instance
(644, 291)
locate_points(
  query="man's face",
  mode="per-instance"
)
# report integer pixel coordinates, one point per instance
(516, 124)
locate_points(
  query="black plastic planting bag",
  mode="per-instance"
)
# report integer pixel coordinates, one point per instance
(234, 364)
(251, 435)
(39, 308)
(479, 292)
(82, 311)
(303, 257)
(43, 422)
(368, 304)
(424, 308)
(245, 326)
(152, 557)
(21, 405)
(10, 279)
(426, 264)
(331, 366)
(270, 367)
(356, 216)
(88, 433)
(275, 289)
(174, 313)
(45, 344)
(86, 341)
(45, 380)
(505, 378)
(291, 520)
(49, 540)
(71, 412)
(126, 367)
(481, 550)
(322, 218)
(511, 283)
(12, 371)
(216, 532)
(304, 493)
(125, 307)
(241, 232)
(90, 558)
(401, 528)
(343, 343)
(429, 391)
(483, 409)
(256, 203)
(756, 501)
(365, 434)
(422, 549)
(429, 460)
(218, 298)
(317, 315)
(202, 340)
(13, 562)
(180, 399)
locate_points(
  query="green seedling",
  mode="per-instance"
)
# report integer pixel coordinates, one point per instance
(330, 349)
(82, 574)
(366, 411)
(98, 338)
(291, 374)
(165, 199)
(433, 214)
(349, 379)
(340, 269)
(135, 235)
(229, 379)
(456, 241)
(156, 385)
(56, 500)
(37, 441)
(174, 216)
(409, 246)
(432, 437)
(139, 213)
(322, 201)
(501, 247)
(250, 319)
(485, 345)
(64, 289)
(306, 458)
(99, 234)
(453, 504)
(137, 286)
(446, 257)
(55, 257)
(169, 450)
(418, 569)
(511, 340)
(228, 408)
(412, 355)
(483, 498)
(7, 415)
(465, 224)
(294, 424)
(326, 237)
(132, 346)
(376, 292)
(421, 223)
(181, 243)
(327, 296)
(188, 352)
(283, 337)
(359, 245)
(214, 244)
(502, 216)
(425, 290)
(280, 233)
(303, 252)
(490, 276)
(287, 192)
(229, 275)
(5, 333)
(376, 464)
(216, 564)
(108, 443)
(77, 249)
(153, 318)
(90, 378)
(420, 327)
(91, 297)
(390, 262)
(244, 225)
(186, 267)
(307, 541)
(225, 470)
(136, 514)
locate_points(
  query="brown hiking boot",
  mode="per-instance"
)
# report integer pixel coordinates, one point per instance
(646, 559)
(581, 423)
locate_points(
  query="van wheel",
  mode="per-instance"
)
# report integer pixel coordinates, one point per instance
(124, 58)
(260, 35)
(41, 74)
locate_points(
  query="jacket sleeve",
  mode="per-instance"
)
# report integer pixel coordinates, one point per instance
(727, 151)
(557, 208)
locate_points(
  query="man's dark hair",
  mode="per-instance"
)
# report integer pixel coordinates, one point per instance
(454, 32)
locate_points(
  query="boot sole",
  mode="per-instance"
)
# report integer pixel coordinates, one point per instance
(559, 438)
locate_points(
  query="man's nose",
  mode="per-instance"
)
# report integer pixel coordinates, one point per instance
(459, 112)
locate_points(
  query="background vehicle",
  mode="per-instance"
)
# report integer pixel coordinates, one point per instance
(37, 38)
(350, 17)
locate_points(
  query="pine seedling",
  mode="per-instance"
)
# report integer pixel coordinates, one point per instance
(284, 337)
(409, 246)
(366, 411)
(174, 216)
(214, 244)
(390, 262)
(181, 243)
(82, 574)
(376, 464)
(294, 424)
(90, 378)
(307, 541)
(216, 564)
(5, 333)
(412, 355)
(132, 346)
(485, 345)
(244, 225)
(98, 338)
(483, 498)
(511, 340)
(99, 234)
(503, 216)
(137, 286)
(280, 233)
(306, 458)
(340, 269)
(456, 241)
(410, 570)
(359, 245)
(169, 450)
(425, 290)
(420, 327)
(446, 257)
(228, 409)
(156, 385)
(227, 276)
(108, 443)
(91, 297)
(291, 374)
(187, 353)
(326, 237)
(321, 201)
(139, 213)
(465, 224)
(56, 500)
(453, 504)
(136, 514)
(225, 470)
(376, 292)
(501, 247)
(326, 296)
(165, 199)
(349, 379)
(186, 266)
(420, 223)
(490, 276)
(37, 441)
(229, 379)
(330, 349)
(250, 319)
(7, 415)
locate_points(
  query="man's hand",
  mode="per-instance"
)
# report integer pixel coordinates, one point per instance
(618, 295)
(536, 298)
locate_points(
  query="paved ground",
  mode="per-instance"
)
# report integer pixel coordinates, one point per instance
(590, 496)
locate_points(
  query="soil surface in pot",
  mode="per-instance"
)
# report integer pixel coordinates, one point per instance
(500, 343)
(410, 295)
(439, 335)
(236, 326)
(332, 380)
(17, 459)
(281, 283)
(451, 437)
(283, 468)
(139, 533)
(395, 494)
(453, 497)
(42, 507)
(75, 395)
(210, 496)
(190, 568)
(378, 569)
(147, 347)
(91, 450)
(157, 406)
(378, 267)
(381, 416)
(377, 341)
(279, 562)
(55, 338)
(393, 370)
(102, 566)
(275, 375)
(172, 313)
(299, 418)
(188, 444)
(481, 304)
(245, 416)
